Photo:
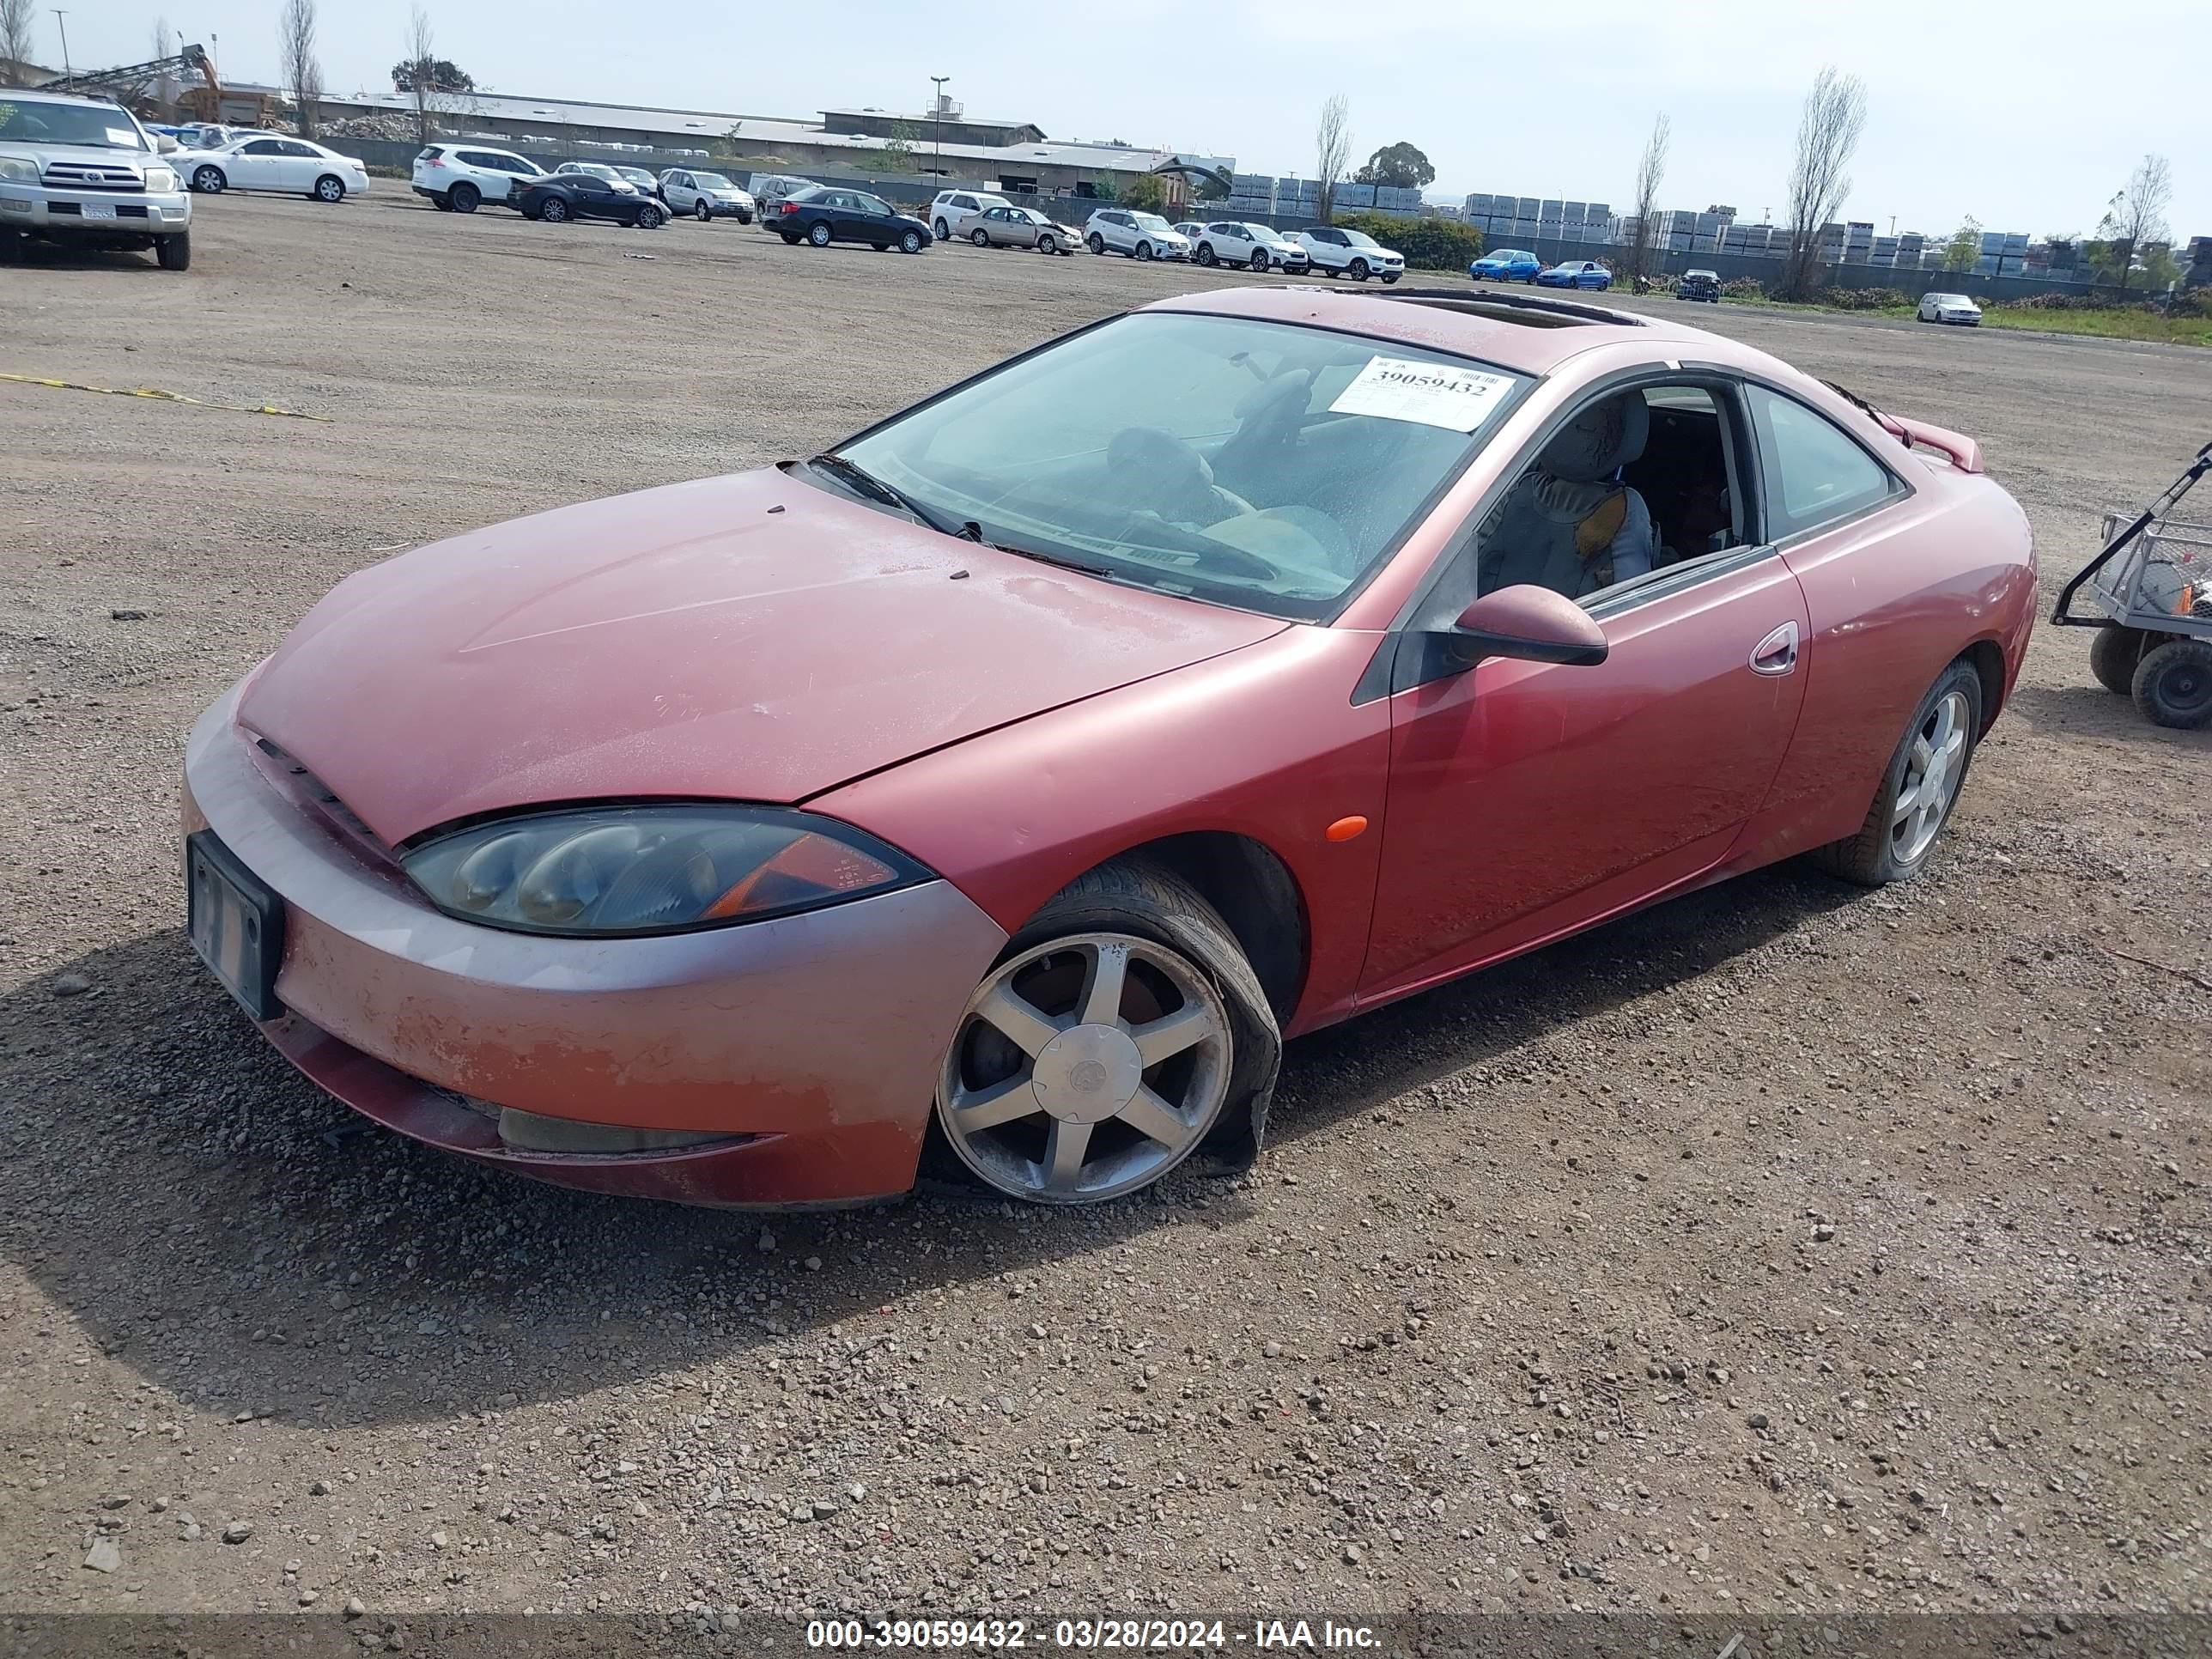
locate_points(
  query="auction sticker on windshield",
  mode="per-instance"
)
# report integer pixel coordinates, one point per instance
(1434, 394)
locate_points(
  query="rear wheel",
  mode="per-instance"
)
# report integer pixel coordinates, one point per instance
(819, 235)
(980, 236)
(1205, 255)
(553, 210)
(944, 231)
(2114, 651)
(2173, 685)
(466, 198)
(1119, 1031)
(1920, 789)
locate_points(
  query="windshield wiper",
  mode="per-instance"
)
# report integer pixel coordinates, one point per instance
(1057, 560)
(867, 484)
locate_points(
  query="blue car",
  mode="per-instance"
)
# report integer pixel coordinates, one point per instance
(1576, 273)
(1506, 265)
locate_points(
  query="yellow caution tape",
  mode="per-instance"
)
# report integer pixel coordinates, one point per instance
(166, 397)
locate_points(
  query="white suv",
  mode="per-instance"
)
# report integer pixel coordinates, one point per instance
(1352, 254)
(1234, 242)
(705, 195)
(949, 213)
(457, 177)
(1139, 235)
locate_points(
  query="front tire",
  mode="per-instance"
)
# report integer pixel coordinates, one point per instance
(171, 253)
(1095, 242)
(210, 180)
(944, 231)
(2173, 685)
(1117, 1032)
(2114, 651)
(819, 235)
(329, 188)
(1920, 789)
(1260, 263)
(649, 217)
(911, 242)
(1359, 271)
(701, 211)
(1144, 251)
(1047, 245)
(466, 198)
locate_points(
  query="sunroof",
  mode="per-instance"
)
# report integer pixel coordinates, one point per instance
(1529, 311)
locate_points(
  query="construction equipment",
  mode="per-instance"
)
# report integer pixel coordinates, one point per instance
(2154, 636)
(137, 86)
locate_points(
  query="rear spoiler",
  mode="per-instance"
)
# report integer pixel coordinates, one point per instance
(1964, 452)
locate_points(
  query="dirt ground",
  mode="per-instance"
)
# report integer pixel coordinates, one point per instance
(1784, 1247)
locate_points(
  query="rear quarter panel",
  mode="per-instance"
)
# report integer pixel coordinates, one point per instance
(1893, 597)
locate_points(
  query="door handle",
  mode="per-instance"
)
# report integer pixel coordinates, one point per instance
(1777, 654)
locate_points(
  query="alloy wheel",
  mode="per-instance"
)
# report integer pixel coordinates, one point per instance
(1935, 767)
(1085, 1068)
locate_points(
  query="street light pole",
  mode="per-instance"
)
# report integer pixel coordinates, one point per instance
(68, 73)
(937, 110)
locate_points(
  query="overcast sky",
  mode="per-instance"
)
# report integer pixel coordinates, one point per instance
(2027, 116)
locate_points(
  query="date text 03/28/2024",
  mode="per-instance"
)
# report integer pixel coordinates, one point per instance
(1138, 1635)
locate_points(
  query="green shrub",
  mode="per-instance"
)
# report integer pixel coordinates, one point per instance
(1428, 244)
(1865, 299)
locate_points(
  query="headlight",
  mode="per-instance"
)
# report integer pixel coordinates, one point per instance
(160, 180)
(652, 869)
(20, 169)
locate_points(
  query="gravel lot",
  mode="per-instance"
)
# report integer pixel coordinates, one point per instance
(1786, 1248)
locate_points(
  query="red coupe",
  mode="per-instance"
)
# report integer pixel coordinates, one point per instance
(1016, 775)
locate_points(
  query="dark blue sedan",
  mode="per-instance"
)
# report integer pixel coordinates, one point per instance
(1576, 273)
(1506, 265)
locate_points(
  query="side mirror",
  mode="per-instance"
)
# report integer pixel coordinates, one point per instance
(1532, 624)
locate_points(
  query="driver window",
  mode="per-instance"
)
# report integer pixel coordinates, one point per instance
(1636, 481)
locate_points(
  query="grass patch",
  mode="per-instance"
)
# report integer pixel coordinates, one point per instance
(2115, 322)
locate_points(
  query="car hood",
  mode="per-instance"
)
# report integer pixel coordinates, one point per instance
(753, 637)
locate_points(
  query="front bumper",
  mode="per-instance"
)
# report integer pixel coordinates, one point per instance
(809, 1045)
(43, 210)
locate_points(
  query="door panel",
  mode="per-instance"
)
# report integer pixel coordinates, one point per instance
(1530, 799)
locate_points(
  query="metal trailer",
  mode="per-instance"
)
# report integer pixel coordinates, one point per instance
(2152, 582)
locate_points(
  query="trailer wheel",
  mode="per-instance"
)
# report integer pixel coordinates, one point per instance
(2113, 653)
(2173, 685)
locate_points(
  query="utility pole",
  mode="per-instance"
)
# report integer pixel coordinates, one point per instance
(937, 109)
(68, 73)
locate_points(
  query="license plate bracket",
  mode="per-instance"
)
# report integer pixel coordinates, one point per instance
(235, 923)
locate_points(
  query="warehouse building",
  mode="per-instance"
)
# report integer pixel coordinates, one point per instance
(1014, 155)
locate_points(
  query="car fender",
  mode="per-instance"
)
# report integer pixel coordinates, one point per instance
(1264, 742)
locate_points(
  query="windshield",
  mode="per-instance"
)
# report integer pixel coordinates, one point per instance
(1150, 221)
(596, 169)
(1259, 464)
(87, 124)
(711, 181)
(1261, 234)
(1360, 239)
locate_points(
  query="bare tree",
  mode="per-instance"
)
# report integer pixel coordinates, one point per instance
(1332, 149)
(303, 71)
(421, 61)
(2137, 215)
(1828, 131)
(1651, 171)
(15, 17)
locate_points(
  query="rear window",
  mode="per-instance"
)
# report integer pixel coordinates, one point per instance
(430, 154)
